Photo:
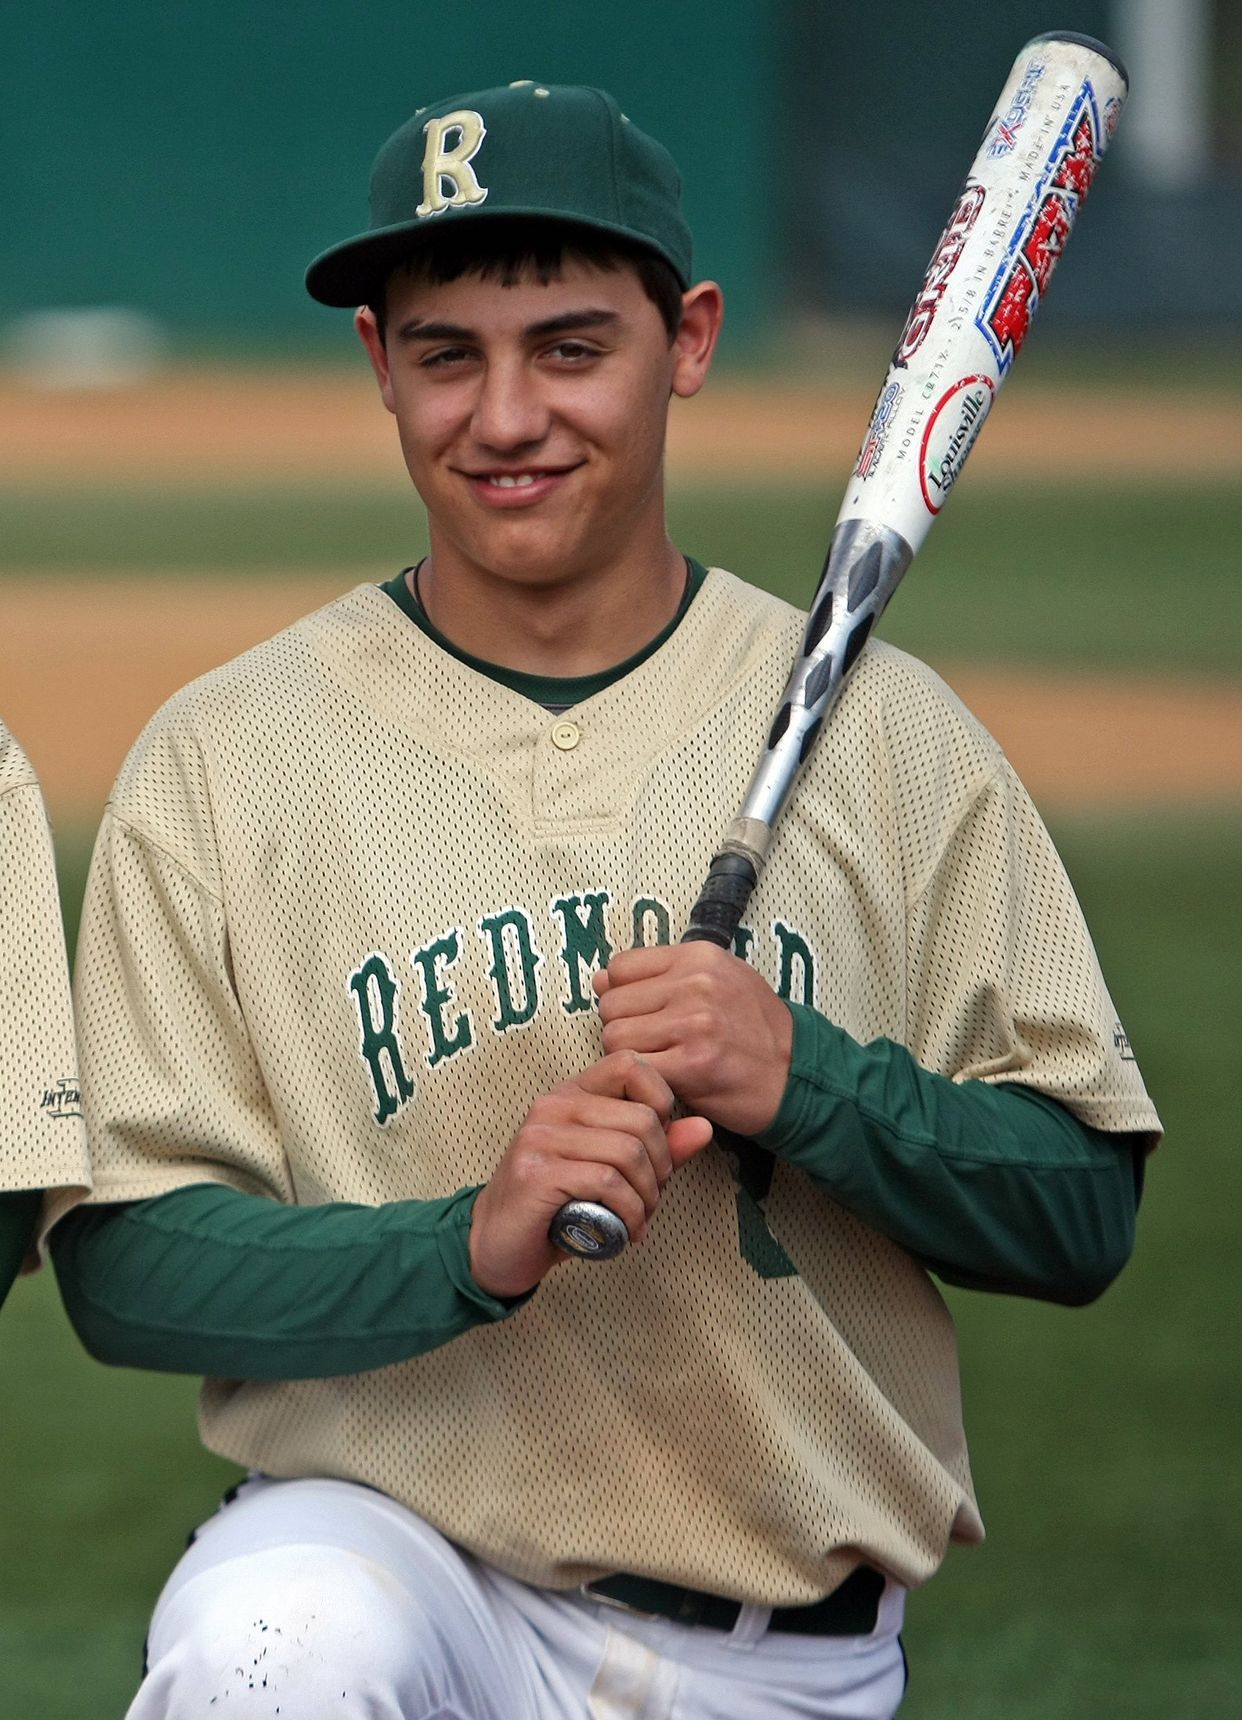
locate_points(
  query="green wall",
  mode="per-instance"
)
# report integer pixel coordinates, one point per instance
(188, 157)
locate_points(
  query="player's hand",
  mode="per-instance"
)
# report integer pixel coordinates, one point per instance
(608, 1135)
(711, 1025)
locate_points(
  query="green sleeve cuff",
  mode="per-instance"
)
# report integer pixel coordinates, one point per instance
(453, 1239)
(819, 1063)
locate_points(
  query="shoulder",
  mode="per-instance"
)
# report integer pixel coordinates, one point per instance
(749, 611)
(895, 711)
(939, 756)
(920, 716)
(901, 763)
(269, 679)
(735, 635)
(889, 688)
(284, 665)
(259, 705)
(15, 768)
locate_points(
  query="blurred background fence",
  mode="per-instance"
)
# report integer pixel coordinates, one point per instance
(185, 158)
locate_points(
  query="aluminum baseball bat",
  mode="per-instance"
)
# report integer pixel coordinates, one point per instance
(986, 279)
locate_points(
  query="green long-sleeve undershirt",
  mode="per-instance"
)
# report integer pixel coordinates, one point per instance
(989, 1186)
(19, 1210)
(207, 1280)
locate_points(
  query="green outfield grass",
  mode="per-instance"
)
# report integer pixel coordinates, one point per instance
(1099, 577)
(1105, 1439)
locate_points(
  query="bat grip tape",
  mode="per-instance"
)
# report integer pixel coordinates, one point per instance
(716, 915)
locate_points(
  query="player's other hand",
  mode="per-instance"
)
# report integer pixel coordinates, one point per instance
(608, 1135)
(711, 1026)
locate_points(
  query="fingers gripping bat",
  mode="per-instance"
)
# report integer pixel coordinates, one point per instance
(987, 277)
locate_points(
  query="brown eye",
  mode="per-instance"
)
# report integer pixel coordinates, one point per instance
(442, 357)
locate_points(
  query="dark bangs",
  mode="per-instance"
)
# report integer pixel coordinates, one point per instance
(512, 250)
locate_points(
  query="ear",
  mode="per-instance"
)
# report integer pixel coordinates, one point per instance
(695, 341)
(377, 352)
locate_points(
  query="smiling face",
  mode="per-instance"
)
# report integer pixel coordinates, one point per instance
(532, 418)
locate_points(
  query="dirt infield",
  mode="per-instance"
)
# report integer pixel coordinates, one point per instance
(246, 428)
(85, 660)
(84, 663)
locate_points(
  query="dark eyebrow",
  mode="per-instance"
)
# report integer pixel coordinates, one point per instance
(573, 320)
(567, 323)
(416, 330)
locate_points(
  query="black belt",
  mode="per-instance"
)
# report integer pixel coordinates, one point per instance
(850, 1610)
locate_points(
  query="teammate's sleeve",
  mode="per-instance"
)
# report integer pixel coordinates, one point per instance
(989, 1186)
(19, 1213)
(207, 1280)
(42, 1143)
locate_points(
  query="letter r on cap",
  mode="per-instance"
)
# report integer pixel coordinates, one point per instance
(451, 166)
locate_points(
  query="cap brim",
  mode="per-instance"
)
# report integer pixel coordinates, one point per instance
(353, 272)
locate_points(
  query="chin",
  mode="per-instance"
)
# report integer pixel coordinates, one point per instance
(532, 563)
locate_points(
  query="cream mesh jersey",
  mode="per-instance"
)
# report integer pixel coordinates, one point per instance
(340, 931)
(42, 1143)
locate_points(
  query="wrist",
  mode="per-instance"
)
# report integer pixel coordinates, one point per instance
(816, 1046)
(500, 1280)
(766, 1092)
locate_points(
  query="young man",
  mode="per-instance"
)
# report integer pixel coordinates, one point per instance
(378, 970)
(42, 1142)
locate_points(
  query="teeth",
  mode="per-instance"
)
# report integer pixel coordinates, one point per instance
(508, 482)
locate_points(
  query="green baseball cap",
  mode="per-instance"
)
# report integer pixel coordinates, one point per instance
(554, 152)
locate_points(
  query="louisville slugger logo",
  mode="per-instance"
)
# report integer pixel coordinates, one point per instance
(944, 261)
(951, 432)
(1047, 222)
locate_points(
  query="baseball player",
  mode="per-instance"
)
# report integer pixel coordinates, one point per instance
(42, 1141)
(379, 968)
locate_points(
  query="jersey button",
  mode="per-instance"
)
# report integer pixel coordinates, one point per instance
(565, 736)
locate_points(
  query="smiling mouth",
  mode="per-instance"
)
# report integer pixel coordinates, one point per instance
(530, 485)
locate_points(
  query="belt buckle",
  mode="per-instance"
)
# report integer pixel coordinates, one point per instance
(590, 1594)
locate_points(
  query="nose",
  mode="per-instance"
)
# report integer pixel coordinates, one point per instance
(509, 410)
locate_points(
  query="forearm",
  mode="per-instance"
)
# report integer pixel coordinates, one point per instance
(207, 1280)
(991, 1187)
(19, 1211)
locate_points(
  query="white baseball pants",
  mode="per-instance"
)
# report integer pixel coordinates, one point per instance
(316, 1599)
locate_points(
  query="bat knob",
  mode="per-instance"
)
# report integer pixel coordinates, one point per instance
(588, 1230)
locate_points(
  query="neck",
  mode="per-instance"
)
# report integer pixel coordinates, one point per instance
(577, 627)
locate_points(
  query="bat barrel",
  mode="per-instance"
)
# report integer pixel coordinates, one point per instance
(989, 273)
(1091, 43)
